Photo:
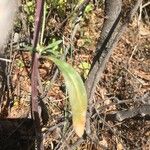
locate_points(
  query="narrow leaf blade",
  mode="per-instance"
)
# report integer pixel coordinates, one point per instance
(77, 94)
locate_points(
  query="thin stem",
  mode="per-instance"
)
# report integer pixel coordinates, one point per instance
(34, 75)
(43, 24)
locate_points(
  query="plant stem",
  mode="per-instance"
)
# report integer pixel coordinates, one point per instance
(34, 75)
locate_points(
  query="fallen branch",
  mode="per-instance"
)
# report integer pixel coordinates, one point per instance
(112, 30)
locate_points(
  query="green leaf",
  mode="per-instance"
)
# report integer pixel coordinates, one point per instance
(53, 45)
(85, 66)
(77, 94)
(89, 8)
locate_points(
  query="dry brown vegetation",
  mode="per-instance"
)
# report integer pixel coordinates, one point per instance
(125, 84)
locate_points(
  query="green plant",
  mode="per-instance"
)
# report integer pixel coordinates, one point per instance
(29, 8)
(89, 8)
(77, 94)
(19, 63)
(74, 84)
(85, 67)
(52, 48)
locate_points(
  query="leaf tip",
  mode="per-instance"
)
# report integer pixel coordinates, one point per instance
(79, 124)
(79, 129)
